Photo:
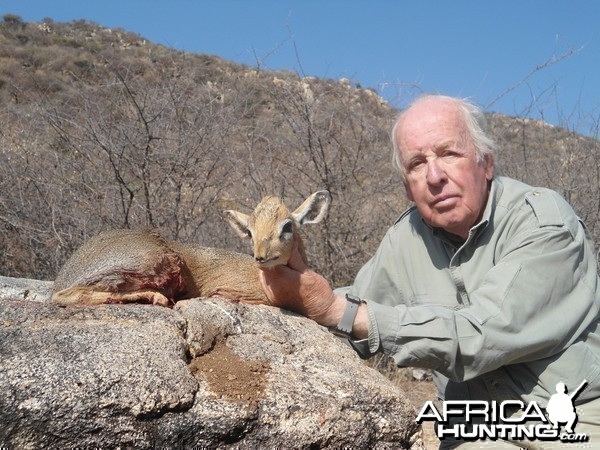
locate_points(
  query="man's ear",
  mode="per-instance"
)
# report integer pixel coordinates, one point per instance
(489, 167)
(408, 192)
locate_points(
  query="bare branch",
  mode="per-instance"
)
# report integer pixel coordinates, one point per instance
(550, 62)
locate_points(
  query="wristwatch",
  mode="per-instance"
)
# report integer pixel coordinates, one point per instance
(344, 327)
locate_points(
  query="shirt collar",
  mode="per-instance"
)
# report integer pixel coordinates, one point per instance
(490, 207)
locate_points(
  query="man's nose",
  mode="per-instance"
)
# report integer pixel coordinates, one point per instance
(435, 173)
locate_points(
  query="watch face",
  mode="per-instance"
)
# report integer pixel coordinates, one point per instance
(353, 299)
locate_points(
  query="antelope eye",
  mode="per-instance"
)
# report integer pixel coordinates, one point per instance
(287, 227)
(249, 233)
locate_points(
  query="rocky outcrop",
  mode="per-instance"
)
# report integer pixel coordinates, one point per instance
(25, 289)
(207, 373)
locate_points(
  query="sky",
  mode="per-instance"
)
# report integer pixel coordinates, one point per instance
(526, 58)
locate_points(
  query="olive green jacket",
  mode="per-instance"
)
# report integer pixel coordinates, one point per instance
(507, 314)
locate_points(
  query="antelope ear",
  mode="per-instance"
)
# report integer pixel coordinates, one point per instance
(238, 221)
(313, 209)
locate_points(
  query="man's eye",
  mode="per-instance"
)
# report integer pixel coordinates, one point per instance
(414, 165)
(450, 154)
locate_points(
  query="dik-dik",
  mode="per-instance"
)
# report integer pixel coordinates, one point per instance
(122, 266)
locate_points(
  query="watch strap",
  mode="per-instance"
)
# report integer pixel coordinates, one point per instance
(344, 327)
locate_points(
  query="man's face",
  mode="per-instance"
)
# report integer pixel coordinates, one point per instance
(443, 175)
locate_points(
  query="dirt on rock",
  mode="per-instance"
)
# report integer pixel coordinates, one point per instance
(231, 377)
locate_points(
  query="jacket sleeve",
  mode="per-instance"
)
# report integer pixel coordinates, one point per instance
(535, 301)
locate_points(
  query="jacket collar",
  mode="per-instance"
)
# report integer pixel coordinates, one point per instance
(496, 188)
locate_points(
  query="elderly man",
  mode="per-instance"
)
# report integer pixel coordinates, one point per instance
(487, 281)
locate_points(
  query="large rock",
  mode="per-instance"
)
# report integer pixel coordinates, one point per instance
(25, 289)
(207, 373)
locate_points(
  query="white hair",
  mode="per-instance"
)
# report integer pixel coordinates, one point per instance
(475, 122)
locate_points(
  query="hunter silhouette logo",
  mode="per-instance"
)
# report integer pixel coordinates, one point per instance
(478, 419)
(560, 407)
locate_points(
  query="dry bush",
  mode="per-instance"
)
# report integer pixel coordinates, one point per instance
(153, 148)
(542, 155)
(103, 130)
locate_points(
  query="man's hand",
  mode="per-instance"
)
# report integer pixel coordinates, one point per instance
(298, 288)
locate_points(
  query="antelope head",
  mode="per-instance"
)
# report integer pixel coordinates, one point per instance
(273, 229)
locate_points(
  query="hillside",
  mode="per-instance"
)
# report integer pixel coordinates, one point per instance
(104, 129)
